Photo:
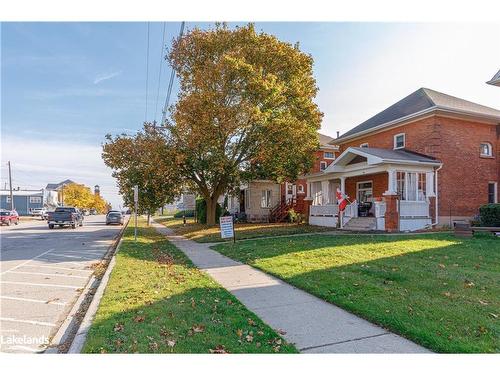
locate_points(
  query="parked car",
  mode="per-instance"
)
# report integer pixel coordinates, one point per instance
(9, 217)
(93, 211)
(38, 212)
(114, 217)
(70, 216)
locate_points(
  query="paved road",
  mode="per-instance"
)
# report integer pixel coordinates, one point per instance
(42, 274)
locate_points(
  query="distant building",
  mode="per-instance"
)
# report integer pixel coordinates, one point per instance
(495, 81)
(26, 200)
(97, 190)
(59, 188)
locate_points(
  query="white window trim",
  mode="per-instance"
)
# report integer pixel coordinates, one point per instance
(395, 142)
(495, 198)
(363, 182)
(321, 163)
(269, 203)
(417, 180)
(363, 145)
(327, 157)
(490, 148)
(247, 199)
(35, 199)
(300, 188)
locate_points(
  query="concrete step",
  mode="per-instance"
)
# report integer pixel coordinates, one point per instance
(361, 224)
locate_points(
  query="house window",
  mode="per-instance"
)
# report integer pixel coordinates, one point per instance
(363, 145)
(35, 199)
(492, 192)
(265, 201)
(289, 189)
(328, 155)
(300, 188)
(322, 165)
(399, 141)
(411, 186)
(486, 149)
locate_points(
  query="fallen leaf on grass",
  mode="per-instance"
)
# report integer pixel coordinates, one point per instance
(447, 294)
(494, 315)
(219, 349)
(251, 322)
(139, 318)
(468, 284)
(484, 303)
(170, 343)
(441, 265)
(118, 327)
(281, 332)
(239, 332)
(198, 328)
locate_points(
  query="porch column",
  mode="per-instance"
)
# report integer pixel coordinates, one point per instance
(342, 185)
(324, 192)
(308, 195)
(391, 183)
(391, 213)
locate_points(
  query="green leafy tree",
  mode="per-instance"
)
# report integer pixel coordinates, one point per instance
(143, 160)
(245, 110)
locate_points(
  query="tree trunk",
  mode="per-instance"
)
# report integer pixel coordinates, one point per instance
(211, 210)
(149, 219)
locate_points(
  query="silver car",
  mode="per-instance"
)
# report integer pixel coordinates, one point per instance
(114, 217)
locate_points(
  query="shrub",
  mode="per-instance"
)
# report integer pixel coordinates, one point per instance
(490, 215)
(186, 213)
(295, 217)
(201, 211)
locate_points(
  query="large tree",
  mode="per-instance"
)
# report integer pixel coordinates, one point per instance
(143, 160)
(245, 110)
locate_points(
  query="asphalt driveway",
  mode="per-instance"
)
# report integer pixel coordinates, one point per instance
(43, 272)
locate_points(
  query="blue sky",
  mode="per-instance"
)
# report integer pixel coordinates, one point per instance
(65, 85)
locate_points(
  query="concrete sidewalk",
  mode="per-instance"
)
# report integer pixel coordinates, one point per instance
(313, 325)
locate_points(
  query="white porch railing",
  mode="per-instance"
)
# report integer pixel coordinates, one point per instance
(350, 211)
(413, 209)
(380, 208)
(326, 210)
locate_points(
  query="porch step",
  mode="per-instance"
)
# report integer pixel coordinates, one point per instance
(361, 224)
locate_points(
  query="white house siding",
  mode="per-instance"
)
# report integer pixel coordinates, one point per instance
(253, 208)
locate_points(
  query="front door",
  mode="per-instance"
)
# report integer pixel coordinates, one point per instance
(290, 191)
(364, 192)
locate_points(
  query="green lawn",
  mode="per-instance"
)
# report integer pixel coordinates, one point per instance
(203, 233)
(439, 291)
(158, 302)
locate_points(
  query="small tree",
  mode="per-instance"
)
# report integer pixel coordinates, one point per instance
(143, 160)
(78, 195)
(245, 110)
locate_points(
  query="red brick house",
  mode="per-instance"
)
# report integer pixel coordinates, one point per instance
(428, 159)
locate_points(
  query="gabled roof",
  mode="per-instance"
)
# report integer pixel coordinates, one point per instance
(420, 101)
(326, 141)
(373, 156)
(57, 186)
(495, 81)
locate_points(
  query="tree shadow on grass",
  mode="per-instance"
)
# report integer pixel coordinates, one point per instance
(445, 298)
(157, 302)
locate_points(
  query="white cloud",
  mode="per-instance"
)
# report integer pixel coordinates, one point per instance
(38, 162)
(104, 77)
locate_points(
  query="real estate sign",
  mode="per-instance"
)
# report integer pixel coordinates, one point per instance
(226, 227)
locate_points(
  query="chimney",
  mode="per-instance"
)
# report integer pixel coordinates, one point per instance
(338, 134)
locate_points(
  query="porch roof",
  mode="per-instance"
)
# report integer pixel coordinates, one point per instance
(367, 158)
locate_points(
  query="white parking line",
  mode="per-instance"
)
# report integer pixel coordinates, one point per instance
(70, 256)
(29, 260)
(61, 261)
(62, 268)
(37, 284)
(47, 274)
(34, 322)
(33, 300)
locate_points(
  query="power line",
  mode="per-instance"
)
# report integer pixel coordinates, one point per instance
(147, 77)
(161, 66)
(170, 84)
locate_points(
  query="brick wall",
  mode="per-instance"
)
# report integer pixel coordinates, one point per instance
(463, 180)
(379, 183)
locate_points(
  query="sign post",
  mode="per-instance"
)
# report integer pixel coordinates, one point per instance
(136, 200)
(227, 227)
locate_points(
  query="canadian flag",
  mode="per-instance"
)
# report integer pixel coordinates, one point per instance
(341, 200)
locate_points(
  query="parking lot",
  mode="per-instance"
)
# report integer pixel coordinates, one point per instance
(43, 272)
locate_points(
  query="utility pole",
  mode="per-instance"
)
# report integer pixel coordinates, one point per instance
(10, 187)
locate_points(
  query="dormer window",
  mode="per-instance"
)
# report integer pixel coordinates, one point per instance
(486, 149)
(399, 141)
(328, 155)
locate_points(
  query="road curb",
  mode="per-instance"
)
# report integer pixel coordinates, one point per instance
(88, 299)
